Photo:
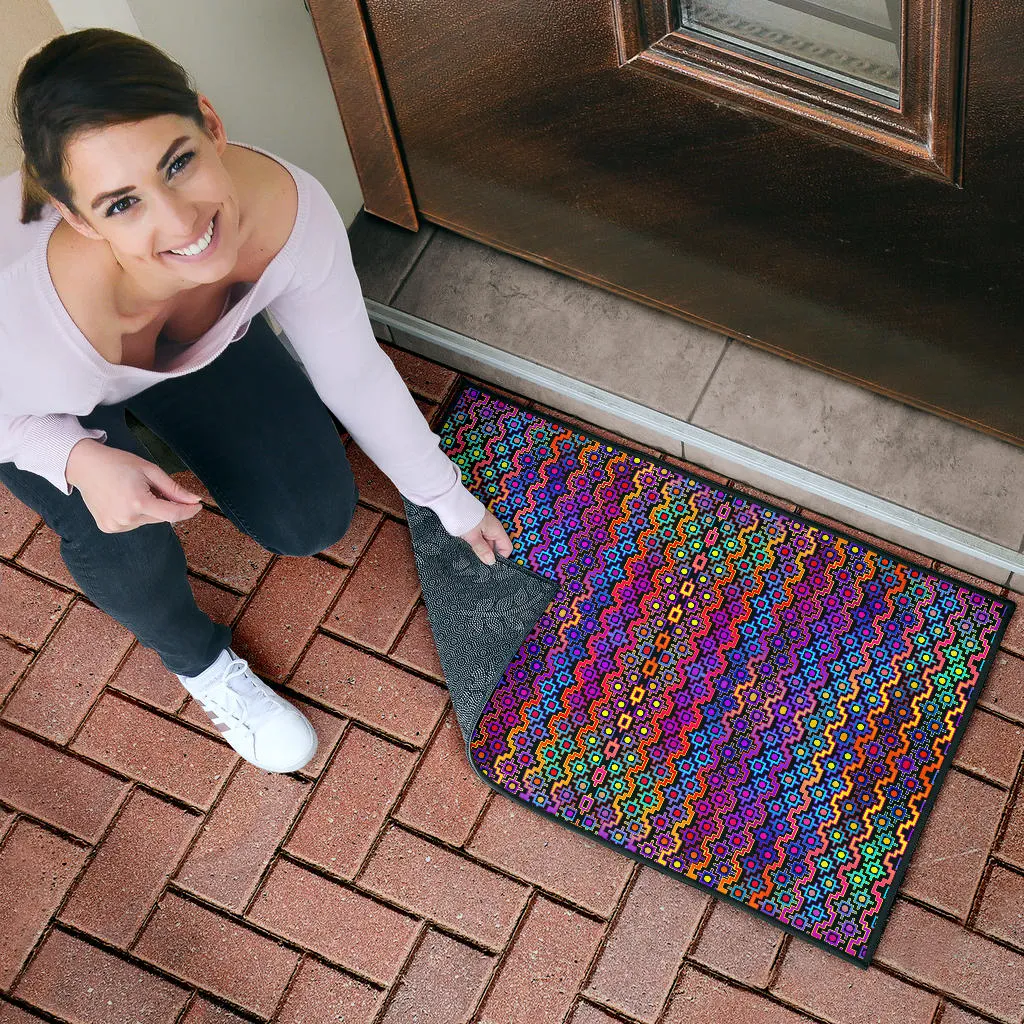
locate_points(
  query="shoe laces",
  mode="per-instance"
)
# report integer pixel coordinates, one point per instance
(236, 697)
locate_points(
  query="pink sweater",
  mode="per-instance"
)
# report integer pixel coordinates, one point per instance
(50, 374)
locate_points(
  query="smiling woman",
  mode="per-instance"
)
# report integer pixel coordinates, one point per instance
(147, 246)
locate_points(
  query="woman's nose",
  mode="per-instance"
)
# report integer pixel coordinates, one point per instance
(180, 222)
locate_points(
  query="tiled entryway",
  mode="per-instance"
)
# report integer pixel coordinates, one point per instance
(147, 874)
(807, 418)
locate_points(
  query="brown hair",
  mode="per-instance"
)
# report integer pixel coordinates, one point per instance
(82, 81)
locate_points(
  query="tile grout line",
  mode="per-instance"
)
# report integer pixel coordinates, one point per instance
(442, 340)
(400, 284)
(707, 383)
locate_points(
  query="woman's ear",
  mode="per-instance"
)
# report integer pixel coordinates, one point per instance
(78, 223)
(214, 125)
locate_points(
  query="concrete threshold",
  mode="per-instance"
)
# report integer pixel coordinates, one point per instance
(674, 436)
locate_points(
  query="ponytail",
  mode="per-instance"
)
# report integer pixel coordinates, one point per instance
(33, 196)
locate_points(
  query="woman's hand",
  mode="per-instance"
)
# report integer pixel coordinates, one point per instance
(123, 491)
(488, 534)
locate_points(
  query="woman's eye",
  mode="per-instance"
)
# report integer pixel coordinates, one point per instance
(116, 208)
(184, 160)
(184, 156)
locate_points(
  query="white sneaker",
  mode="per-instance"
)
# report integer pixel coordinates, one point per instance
(263, 727)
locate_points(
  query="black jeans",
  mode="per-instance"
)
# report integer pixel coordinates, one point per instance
(251, 426)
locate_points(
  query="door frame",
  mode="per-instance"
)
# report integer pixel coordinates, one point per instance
(343, 35)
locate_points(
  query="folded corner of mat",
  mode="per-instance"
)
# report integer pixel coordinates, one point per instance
(479, 614)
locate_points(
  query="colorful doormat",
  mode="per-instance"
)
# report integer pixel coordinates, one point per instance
(742, 698)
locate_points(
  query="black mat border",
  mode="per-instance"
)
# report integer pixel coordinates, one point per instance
(885, 910)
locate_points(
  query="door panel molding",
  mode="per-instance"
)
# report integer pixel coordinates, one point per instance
(923, 133)
(519, 126)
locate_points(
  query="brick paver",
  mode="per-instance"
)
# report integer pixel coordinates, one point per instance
(1002, 908)
(1004, 688)
(118, 889)
(446, 795)
(950, 857)
(36, 870)
(57, 691)
(946, 956)
(1011, 847)
(202, 1011)
(442, 983)
(566, 863)
(646, 945)
(283, 614)
(434, 883)
(220, 604)
(214, 547)
(143, 676)
(954, 1014)
(55, 787)
(738, 944)
(380, 595)
(13, 662)
(357, 536)
(1013, 638)
(79, 982)
(217, 954)
(702, 1000)
(370, 690)
(830, 988)
(421, 376)
(544, 968)
(351, 802)
(416, 646)
(991, 747)
(241, 835)
(321, 993)
(17, 522)
(375, 489)
(588, 1013)
(328, 728)
(338, 923)
(13, 1014)
(42, 556)
(146, 873)
(154, 751)
(30, 608)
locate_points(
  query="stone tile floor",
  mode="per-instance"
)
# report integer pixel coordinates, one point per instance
(147, 874)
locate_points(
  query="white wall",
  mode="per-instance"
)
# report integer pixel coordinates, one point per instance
(259, 63)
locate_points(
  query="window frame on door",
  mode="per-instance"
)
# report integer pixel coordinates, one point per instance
(923, 132)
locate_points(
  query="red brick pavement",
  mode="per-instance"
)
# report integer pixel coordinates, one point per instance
(146, 873)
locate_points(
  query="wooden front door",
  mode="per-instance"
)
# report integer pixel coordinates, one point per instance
(836, 180)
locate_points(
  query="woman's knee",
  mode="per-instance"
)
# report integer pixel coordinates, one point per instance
(313, 526)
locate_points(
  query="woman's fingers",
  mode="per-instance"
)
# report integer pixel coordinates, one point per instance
(487, 537)
(165, 484)
(494, 533)
(483, 549)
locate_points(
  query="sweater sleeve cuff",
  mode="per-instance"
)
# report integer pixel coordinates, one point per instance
(458, 510)
(47, 447)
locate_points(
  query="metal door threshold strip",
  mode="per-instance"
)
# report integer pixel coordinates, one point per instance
(440, 343)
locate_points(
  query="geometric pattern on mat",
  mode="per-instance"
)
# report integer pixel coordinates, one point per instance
(747, 700)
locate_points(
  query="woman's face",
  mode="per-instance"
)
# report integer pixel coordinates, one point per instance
(156, 186)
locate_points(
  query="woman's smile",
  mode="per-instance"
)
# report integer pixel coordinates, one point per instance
(199, 250)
